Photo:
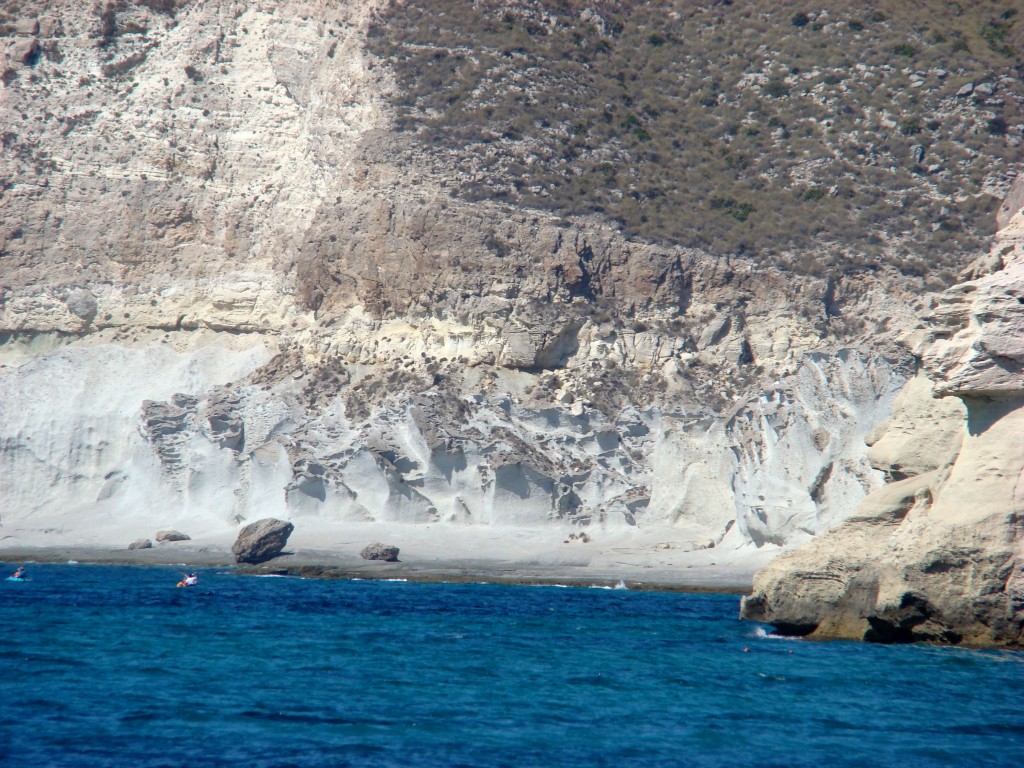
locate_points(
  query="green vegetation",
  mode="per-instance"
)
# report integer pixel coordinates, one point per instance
(739, 211)
(743, 128)
(911, 127)
(997, 126)
(995, 33)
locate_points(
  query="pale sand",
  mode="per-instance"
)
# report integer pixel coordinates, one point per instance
(641, 559)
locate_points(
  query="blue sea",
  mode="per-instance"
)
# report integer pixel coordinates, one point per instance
(115, 666)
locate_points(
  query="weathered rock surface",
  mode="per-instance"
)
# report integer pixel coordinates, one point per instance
(172, 536)
(229, 318)
(224, 298)
(1012, 204)
(923, 433)
(141, 544)
(938, 556)
(261, 541)
(378, 551)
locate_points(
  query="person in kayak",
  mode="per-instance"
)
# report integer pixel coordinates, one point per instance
(20, 573)
(191, 580)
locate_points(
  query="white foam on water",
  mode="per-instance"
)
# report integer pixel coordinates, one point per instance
(760, 633)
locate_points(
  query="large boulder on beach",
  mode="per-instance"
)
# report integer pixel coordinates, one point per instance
(262, 540)
(378, 551)
(141, 544)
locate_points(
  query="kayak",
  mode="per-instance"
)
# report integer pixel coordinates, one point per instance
(15, 578)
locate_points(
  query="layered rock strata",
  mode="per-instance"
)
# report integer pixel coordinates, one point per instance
(937, 555)
(224, 298)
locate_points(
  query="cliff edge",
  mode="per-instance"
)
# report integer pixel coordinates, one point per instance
(937, 554)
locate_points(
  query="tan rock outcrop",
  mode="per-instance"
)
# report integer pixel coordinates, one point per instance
(938, 556)
(923, 433)
(1012, 204)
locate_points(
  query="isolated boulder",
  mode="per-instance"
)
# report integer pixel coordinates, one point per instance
(172, 536)
(378, 551)
(261, 541)
(141, 544)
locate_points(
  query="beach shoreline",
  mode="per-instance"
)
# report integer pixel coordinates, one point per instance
(653, 558)
(340, 565)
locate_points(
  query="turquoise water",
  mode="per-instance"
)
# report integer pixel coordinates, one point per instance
(114, 666)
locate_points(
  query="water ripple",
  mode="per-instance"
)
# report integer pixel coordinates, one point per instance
(112, 666)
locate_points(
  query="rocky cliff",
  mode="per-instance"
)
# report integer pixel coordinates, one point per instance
(939, 553)
(235, 282)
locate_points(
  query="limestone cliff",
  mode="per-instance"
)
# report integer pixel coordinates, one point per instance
(939, 554)
(229, 290)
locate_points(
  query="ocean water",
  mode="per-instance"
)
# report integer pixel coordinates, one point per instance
(114, 666)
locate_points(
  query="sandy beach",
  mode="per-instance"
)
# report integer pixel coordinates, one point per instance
(647, 559)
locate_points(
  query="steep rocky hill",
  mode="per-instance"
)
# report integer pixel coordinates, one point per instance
(839, 137)
(353, 262)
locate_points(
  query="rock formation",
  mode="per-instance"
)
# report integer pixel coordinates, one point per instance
(261, 541)
(378, 551)
(938, 554)
(231, 288)
(172, 536)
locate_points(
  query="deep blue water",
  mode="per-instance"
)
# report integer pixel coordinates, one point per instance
(114, 666)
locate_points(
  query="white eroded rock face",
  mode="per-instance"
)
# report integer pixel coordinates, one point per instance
(91, 431)
(221, 300)
(939, 555)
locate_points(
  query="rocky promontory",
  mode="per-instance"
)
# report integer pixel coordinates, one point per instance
(938, 554)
